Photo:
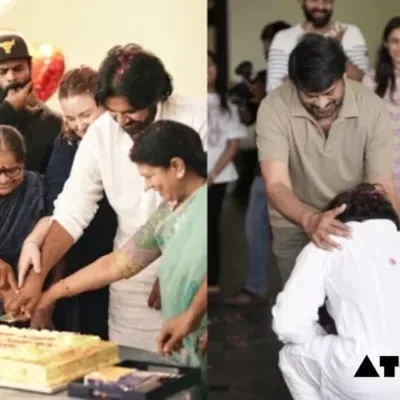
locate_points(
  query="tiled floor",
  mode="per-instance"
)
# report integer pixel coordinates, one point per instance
(243, 350)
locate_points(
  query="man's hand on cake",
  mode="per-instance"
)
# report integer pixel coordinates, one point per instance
(29, 258)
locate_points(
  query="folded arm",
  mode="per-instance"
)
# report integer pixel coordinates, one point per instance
(278, 60)
(357, 54)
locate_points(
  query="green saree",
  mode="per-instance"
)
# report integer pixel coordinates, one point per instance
(179, 237)
(182, 237)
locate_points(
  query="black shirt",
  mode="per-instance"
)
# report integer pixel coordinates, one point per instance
(39, 130)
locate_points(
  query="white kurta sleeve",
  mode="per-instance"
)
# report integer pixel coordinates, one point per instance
(76, 205)
(295, 313)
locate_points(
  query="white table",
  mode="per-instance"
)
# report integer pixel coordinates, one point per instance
(125, 353)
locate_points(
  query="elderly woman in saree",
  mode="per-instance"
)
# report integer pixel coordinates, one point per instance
(171, 159)
(21, 205)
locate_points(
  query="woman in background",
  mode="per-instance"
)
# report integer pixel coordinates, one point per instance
(88, 312)
(21, 204)
(224, 132)
(385, 81)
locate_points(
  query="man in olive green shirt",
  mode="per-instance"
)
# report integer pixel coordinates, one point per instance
(318, 135)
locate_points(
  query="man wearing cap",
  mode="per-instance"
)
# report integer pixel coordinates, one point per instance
(20, 108)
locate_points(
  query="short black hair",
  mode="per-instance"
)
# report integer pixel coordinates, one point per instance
(131, 72)
(364, 202)
(270, 30)
(164, 140)
(316, 63)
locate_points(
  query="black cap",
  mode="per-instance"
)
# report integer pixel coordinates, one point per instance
(13, 46)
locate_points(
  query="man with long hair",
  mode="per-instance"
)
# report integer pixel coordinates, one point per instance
(136, 90)
(359, 284)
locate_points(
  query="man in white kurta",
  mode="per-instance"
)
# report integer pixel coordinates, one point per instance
(361, 286)
(102, 163)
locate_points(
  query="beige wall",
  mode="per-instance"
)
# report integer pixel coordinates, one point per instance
(176, 30)
(247, 18)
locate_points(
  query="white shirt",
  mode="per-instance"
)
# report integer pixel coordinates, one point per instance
(285, 41)
(222, 127)
(361, 284)
(102, 163)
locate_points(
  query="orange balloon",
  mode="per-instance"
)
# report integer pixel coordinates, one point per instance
(48, 66)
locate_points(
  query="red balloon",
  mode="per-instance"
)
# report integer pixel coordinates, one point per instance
(48, 66)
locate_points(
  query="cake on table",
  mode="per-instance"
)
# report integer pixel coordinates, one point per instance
(49, 359)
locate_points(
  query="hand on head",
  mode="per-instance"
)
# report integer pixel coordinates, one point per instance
(320, 226)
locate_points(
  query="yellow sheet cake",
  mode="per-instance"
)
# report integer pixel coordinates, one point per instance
(48, 359)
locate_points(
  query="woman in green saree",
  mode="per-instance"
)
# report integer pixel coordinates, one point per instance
(171, 159)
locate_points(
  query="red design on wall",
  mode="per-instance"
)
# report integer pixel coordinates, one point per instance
(48, 66)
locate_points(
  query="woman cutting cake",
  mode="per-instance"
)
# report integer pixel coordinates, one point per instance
(171, 159)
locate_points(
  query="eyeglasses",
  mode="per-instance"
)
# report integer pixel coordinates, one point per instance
(11, 173)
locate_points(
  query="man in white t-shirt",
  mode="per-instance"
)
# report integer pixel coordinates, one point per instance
(136, 90)
(318, 15)
(359, 284)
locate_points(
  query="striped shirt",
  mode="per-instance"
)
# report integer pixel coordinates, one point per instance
(285, 41)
